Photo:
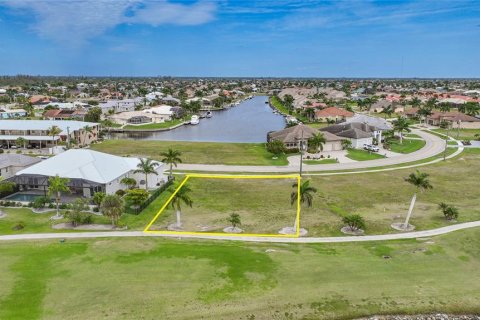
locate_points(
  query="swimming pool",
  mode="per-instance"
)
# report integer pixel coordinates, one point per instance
(26, 197)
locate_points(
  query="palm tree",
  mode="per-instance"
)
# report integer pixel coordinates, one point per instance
(56, 186)
(182, 196)
(317, 141)
(421, 183)
(146, 166)
(310, 114)
(401, 125)
(415, 102)
(112, 206)
(388, 111)
(306, 196)
(86, 130)
(444, 107)
(171, 157)
(53, 131)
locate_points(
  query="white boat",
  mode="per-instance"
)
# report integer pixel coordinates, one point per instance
(209, 114)
(195, 120)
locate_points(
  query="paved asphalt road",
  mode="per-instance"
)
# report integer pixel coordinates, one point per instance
(433, 146)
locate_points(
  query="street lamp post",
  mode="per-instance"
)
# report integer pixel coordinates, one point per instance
(302, 150)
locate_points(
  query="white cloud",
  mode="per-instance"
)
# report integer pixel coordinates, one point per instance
(75, 21)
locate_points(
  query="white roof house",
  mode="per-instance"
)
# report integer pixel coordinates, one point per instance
(84, 164)
(43, 125)
(380, 123)
(93, 166)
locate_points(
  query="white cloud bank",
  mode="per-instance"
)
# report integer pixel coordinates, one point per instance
(75, 21)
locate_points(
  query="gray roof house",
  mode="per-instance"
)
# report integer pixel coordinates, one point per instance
(379, 123)
(292, 137)
(10, 164)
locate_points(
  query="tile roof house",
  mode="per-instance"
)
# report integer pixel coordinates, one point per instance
(332, 113)
(293, 136)
(455, 119)
(358, 133)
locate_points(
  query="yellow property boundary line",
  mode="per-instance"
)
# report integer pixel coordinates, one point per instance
(212, 176)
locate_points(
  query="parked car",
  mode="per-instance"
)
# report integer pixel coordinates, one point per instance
(371, 147)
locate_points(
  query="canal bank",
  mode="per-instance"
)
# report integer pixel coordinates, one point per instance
(249, 121)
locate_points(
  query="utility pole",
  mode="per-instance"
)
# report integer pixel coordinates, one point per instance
(301, 154)
(68, 137)
(446, 144)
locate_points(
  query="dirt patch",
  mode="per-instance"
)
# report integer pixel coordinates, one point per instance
(232, 230)
(350, 231)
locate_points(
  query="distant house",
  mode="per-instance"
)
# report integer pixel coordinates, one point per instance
(12, 113)
(455, 119)
(56, 114)
(379, 123)
(380, 105)
(35, 132)
(117, 106)
(358, 133)
(332, 113)
(10, 164)
(158, 114)
(294, 136)
(89, 172)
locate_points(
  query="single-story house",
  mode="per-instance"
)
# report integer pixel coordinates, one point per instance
(35, 132)
(380, 105)
(10, 164)
(293, 136)
(89, 172)
(358, 133)
(64, 114)
(333, 113)
(455, 119)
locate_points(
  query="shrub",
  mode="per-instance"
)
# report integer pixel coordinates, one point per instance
(120, 192)
(354, 222)
(19, 225)
(39, 202)
(51, 206)
(450, 212)
(276, 147)
(87, 219)
(63, 206)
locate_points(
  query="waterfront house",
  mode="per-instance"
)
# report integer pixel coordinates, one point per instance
(358, 133)
(88, 171)
(332, 114)
(293, 137)
(35, 132)
(12, 113)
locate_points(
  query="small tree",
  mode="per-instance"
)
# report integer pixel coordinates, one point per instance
(75, 216)
(112, 207)
(129, 182)
(56, 186)
(401, 125)
(420, 181)
(20, 142)
(98, 198)
(276, 147)
(172, 157)
(316, 142)
(450, 212)
(234, 220)
(346, 144)
(147, 166)
(354, 222)
(136, 197)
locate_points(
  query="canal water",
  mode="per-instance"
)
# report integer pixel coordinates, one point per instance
(248, 122)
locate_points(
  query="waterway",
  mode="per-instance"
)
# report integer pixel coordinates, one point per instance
(250, 121)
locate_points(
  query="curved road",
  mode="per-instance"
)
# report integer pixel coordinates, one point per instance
(117, 234)
(433, 146)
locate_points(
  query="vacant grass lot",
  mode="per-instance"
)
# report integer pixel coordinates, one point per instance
(362, 155)
(195, 152)
(151, 278)
(408, 146)
(263, 205)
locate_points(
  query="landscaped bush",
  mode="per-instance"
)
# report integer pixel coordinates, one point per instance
(19, 226)
(120, 192)
(40, 202)
(87, 219)
(63, 206)
(51, 206)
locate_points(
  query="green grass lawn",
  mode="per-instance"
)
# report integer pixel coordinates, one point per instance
(150, 126)
(462, 134)
(34, 222)
(153, 278)
(408, 145)
(318, 125)
(362, 155)
(215, 199)
(195, 152)
(321, 161)
(411, 135)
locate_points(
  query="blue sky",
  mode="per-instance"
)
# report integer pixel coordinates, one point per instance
(241, 38)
